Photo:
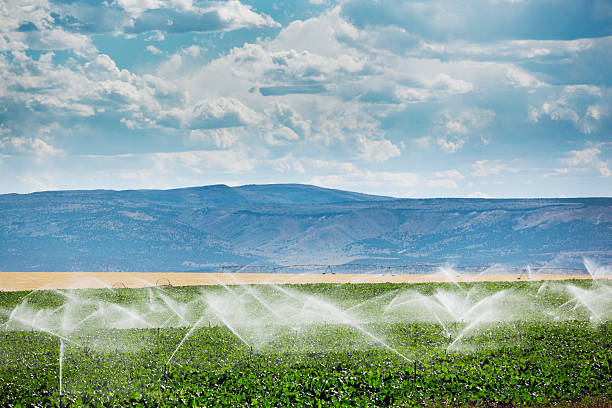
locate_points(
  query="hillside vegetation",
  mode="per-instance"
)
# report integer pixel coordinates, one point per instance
(193, 228)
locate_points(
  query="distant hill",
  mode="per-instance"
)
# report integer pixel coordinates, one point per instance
(190, 229)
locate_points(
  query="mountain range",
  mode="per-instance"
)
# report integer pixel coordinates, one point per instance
(201, 228)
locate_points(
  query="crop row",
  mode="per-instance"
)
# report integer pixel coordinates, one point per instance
(329, 365)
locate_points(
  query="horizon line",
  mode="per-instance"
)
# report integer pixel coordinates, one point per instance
(303, 185)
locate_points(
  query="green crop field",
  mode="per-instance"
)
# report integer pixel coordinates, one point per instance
(445, 344)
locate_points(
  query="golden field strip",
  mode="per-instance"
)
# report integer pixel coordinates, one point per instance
(14, 281)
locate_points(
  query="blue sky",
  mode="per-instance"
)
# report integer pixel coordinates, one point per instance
(483, 98)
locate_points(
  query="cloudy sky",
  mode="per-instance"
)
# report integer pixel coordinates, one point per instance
(407, 98)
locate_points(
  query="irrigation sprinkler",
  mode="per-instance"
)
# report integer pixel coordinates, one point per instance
(163, 282)
(61, 358)
(455, 312)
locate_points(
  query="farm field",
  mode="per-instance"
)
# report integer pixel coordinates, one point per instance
(385, 344)
(11, 281)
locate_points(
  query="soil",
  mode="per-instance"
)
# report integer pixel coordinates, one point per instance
(13, 281)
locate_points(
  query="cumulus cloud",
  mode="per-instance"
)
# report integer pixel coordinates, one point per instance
(456, 129)
(277, 135)
(62, 25)
(210, 114)
(218, 16)
(355, 83)
(589, 156)
(376, 150)
(425, 88)
(449, 84)
(303, 70)
(585, 106)
(33, 145)
(223, 138)
(520, 78)
(451, 143)
(154, 50)
(30, 26)
(69, 89)
(286, 116)
(287, 164)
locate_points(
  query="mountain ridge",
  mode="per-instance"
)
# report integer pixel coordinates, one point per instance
(277, 224)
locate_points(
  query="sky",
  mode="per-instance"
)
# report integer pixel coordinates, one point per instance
(475, 98)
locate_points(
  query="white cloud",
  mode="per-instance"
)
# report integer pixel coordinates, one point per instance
(73, 90)
(555, 172)
(48, 40)
(155, 36)
(583, 156)
(441, 86)
(38, 183)
(286, 116)
(373, 182)
(451, 143)
(154, 50)
(589, 156)
(64, 25)
(257, 61)
(278, 135)
(193, 51)
(449, 84)
(376, 150)
(209, 114)
(424, 141)
(520, 78)
(557, 111)
(136, 7)
(444, 183)
(597, 112)
(142, 170)
(309, 165)
(486, 168)
(32, 145)
(585, 106)
(231, 15)
(198, 161)
(184, 16)
(449, 174)
(325, 86)
(287, 164)
(323, 35)
(223, 138)
(333, 165)
(239, 15)
(478, 194)
(445, 179)
(457, 128)
(171, 66)
(403, 184)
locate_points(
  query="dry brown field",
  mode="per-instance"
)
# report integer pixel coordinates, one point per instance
(13, 281)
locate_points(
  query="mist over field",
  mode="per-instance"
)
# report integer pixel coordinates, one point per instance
(200, 228)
